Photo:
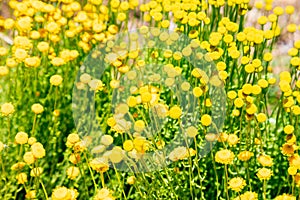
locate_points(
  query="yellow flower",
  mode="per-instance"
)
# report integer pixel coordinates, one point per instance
(197, 91)
(131, 180)
(29, 158)
(43, 46)
(116, 155)
(31, 140)
(24, 24)
(21, 138)
(57, 61)
(264, 173)
(128, 145)
(292, 170)
(285, 197)
(85, 78)
(288, 129)
(38, 150)
(74, 158)
(56, 80)
(278, 10)
(107, 140)
(262, 20)
(224, 157)
(121, 16)
(103, 194)
(96, 85)
(232, 139)
(30, 194)
(22, 178)
(289, 9)
(247, 196)
(206, 120)
(185, 86)
(261, 117)
(263, 83)
(247, 89)
(236, 184)
(99, 165)
(37, 108)
(7, 109)
(192, 131)
(114, 84)
(3, 71)
(73, 172)
(288, 149)
(146, 97)
(231, 94)
(10, 62)
(3, 51)
(179, 153)
(251, 109)
(32, 61)
(175, 112)
(18, 166)
(268, 57)
(35, 172)
(139, 125)
(61, 193)
(245, 155)
(265, 160)
(111, 122)
(9, 23)
(72, 139)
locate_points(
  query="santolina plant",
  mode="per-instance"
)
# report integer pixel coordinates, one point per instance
(148, 100)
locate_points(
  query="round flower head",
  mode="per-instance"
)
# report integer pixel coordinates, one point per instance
(206, 120)
(61, 193)
(73, 172)
(102, 194)
(131, 180)
(22, 178)
(30, 194)
(237, 184)
(192, 131)
(288, 129)
(247, 196)
(232, 139)
(261, 117)
(224, 156)
(245, 155)
(264, 173)
(56, 80)
(29, 158)
(139, 125)
(72, 139)
(175, 112)
(7, 109)
(21, 138)
(178, 153)
(265, 160)
(37, 108)
(107, 140)
(35, 172)
(3, 71)
(285, 197)
(38, 150)
(99, 164)
(128, 145)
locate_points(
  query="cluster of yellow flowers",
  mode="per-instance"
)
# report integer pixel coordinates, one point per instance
(158, 101)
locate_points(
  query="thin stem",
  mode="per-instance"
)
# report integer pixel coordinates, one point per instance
(226, 182)
(44, 189)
